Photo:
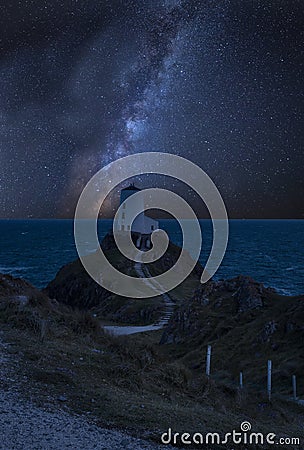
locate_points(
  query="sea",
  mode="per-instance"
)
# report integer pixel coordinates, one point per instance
(270, 251)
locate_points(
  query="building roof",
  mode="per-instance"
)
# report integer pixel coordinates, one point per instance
(131, 187)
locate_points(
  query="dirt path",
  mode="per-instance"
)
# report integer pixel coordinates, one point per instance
(143, 272)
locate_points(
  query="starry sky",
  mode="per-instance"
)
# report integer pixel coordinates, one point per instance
(85, 82)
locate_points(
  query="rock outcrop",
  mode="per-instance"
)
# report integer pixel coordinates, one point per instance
(74, 287)
(216, 303)
(18, 290)
(249, 294)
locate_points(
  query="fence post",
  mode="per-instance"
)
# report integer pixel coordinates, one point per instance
(294, 387)
(269, 379)
(208, 361)
(241, 380)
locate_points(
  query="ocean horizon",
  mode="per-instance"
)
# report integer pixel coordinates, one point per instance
(268, 250)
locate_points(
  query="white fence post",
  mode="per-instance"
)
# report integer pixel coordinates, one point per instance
(241, 380)
(294, 387)
(269, 379)
(208, 361)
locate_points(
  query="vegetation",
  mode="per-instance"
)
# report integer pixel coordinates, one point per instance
(133, 382)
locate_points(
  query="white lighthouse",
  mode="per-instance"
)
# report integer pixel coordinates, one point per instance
(142, 224)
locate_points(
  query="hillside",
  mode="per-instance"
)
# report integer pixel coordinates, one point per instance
(246, 324)
(72, 286)
(147, 383)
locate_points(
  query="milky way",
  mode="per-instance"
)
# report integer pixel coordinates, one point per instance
(148, 79)
(218, 82)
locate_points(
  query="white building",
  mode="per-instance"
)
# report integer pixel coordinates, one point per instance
(142, 224)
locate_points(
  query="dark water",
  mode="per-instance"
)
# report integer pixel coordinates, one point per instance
(271, 251)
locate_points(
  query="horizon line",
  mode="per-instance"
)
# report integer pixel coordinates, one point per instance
(160, 219)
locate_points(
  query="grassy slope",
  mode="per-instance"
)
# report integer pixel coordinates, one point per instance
(240, 341)
(131, 382)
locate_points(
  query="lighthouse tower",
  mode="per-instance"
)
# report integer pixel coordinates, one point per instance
(142, 224)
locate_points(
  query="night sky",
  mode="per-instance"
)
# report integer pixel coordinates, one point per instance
(218, 82)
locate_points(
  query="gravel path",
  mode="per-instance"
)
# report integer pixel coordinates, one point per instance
(24, 426)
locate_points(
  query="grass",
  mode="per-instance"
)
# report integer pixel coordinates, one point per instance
(133, 382)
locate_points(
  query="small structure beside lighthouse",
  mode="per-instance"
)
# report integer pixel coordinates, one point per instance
(142, 225)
